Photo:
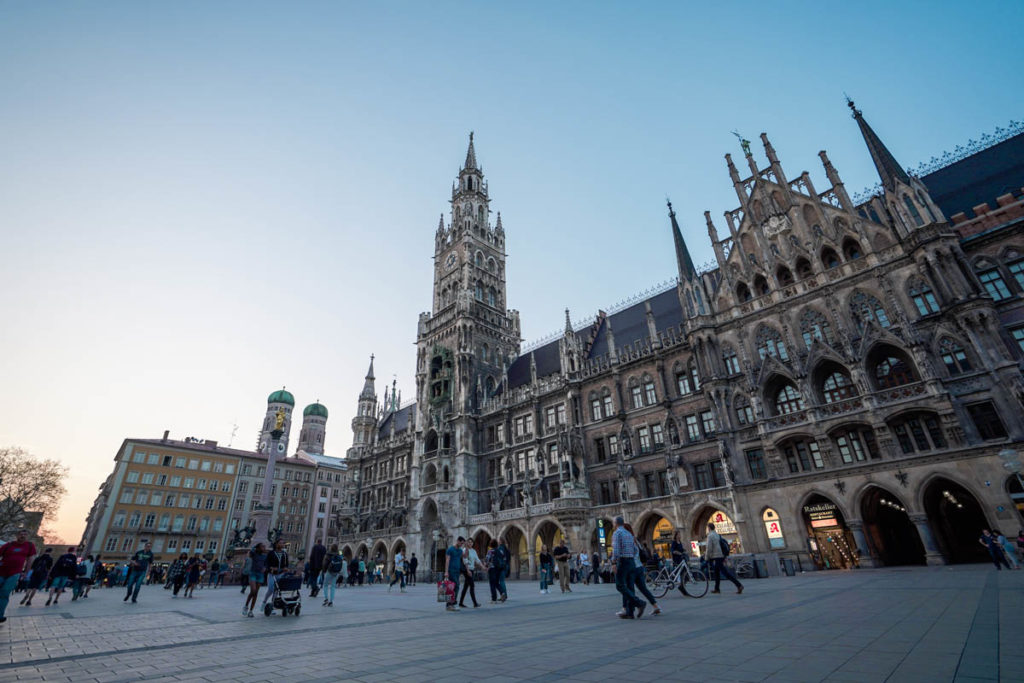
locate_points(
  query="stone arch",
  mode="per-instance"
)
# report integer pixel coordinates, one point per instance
(831, 543)
(515, 538)
(887, 365)
(430, 475)
(481, 537)
(956, 516)
(379, 552)
(397, 545)
(362, 552)
(346, 552)
(648, 532)
(546, 530)
(891, 535)
(712, 511)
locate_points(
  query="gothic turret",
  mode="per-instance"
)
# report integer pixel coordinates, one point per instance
(366, 412)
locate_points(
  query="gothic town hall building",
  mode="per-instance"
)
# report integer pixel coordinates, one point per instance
(842, 388)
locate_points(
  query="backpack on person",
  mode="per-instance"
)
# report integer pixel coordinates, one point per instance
(724, 545)
(336, 564)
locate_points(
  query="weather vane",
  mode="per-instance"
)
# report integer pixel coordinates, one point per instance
(744, 143)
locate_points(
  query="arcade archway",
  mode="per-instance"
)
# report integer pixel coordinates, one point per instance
(656, 533)
(724, 527)
(892, 537)
(829, 541)
(481, 539)
(548, 533)
(520, 557)
(957, 519)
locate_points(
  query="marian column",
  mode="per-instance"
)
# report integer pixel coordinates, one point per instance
(262, 515)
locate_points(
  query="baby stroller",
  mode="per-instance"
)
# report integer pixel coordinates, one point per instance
(287, 596)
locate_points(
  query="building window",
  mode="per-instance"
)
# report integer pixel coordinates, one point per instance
(707, 421)
(769, 343)
(717, 473)
(692, 428)
(855, 446)
(893, 372)
(549, 416)
(1016, 269)
(1018, 336)
(918, 433)
(149, 521)
(992, 280)
(731, 362)
(606, 495)
(788, 400)
(636, 397)
(954, 357)
(837, 387)
(132, 477)
(111, 545)
(744, 413)
(755, 463)
(658, 436)
(595, 409)
(560, 413)
(609, 409)
(803, 456)
(986, 420)
(814, 325)
(650, 395)
(923, 298)
(864, 308)
(702, 476)
(613, 444)
(176, 481)
(644, 436)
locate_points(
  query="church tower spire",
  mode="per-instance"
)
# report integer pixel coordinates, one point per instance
(885, 163)
(365, 421)
(683, 260)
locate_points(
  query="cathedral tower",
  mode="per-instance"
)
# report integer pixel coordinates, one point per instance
(314, 429)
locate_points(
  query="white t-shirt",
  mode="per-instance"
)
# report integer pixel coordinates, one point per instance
(399, 561)
(584, 559)
(471, 558)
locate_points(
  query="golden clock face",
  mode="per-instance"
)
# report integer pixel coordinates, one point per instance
(449, 262)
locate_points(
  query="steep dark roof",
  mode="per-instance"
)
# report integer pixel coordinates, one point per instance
(549, 361)
(630, 325)
(401, 417)
(979, 178)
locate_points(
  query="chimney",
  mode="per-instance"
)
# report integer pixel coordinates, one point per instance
(211, 444)
(166, 434)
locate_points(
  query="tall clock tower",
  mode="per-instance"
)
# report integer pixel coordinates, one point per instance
(464, 344)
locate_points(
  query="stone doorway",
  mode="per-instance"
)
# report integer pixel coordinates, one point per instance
(892, 537)
(829, 541)
(957, 519)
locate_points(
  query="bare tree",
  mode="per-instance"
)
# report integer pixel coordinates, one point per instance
(27, 484)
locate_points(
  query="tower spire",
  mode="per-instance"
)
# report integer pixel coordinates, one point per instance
(368, 389)
(888, 169)
(683, 260)
(470, 154)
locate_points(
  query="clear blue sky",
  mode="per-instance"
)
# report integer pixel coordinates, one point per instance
(203, 201)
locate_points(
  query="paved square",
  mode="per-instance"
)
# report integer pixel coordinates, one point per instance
(924, 624)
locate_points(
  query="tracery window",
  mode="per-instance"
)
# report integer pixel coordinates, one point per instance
(788, 400)
(865, 307)
(837, 387)
(893, 372)
(814, 325)
(923, 297)
(732, 363)
(954, 357)
(769, 343)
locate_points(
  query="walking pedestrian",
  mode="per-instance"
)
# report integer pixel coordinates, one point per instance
(470, 561)
(640, 574)
(15, 558)
(316, 565)
(561, 555)
(139, 568)
(623, 552)
(547, 569)
(333, 564)
(194, 574)
(362, 570)
(95, 576)
(37, 575)
(715, 553)
(453, 568)
(995, 549)
(353, 571)
(83, 577)
(595, 567)
(504, 567)
(493, 569)
(584, 561)
(211, 576)
(679, 556)
(414, 563)
(63, 573)
(277, 564)
(257, 564)
(1008, 550)
(371, 571)
(399, 572)
(178, 573)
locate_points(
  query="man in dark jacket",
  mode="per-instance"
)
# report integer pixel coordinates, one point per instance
(413, 563)
(63, 574)
(316, 564)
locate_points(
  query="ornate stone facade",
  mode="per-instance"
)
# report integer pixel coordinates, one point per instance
(837, 388)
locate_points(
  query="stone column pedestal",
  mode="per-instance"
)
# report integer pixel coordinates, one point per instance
(262, 516)
(932, 555)
(865, 559)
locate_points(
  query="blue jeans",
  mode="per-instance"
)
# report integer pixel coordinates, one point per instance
(454, 578)
(330, 583)
(135, 579)
(639, 576)
(624, 584)
(6, 588)
(546, 576)
(399, 576)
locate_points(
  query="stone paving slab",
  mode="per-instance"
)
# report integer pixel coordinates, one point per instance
(929, 624)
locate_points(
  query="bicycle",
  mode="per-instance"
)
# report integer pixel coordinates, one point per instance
(661, 581)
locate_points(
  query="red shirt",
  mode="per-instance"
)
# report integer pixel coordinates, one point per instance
(15, 556)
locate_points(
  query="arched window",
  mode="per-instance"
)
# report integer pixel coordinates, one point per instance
(489, 387)
(479, 260)
(729, 359)
(761, 285)
(784, 276)
(923, 297)
(636, 395)
(480, 213)
(788, 400)
(491, 265)
(479, 291)
(650, 395)
(865, 307)
(492, 297)
(953, 356)
(893, 372)
(803, 268)
(485, 351)
(837, 387)
(851, 250)
(743, 292)
(769, 343)
(829, 257)
(814, 325)
(744, 413)
(912, 210)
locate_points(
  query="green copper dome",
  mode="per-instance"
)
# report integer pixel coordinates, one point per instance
(281, 396)
(315, 409)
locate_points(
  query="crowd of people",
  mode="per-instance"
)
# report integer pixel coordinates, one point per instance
(626, 564)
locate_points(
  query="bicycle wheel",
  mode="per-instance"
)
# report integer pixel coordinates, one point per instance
(696, 583)
(656, 582)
